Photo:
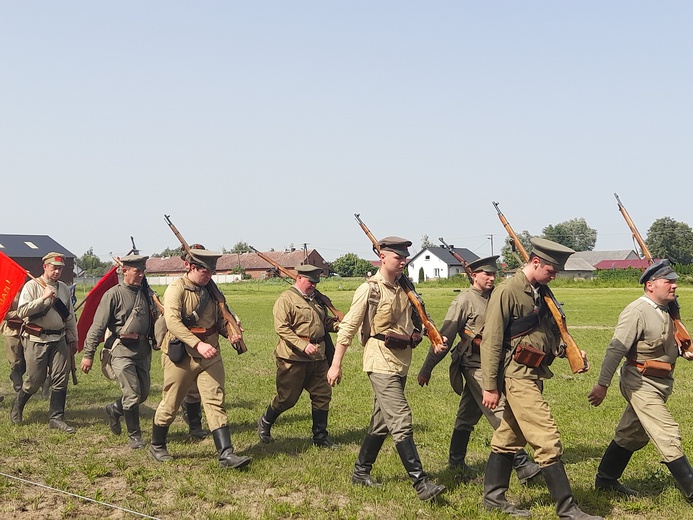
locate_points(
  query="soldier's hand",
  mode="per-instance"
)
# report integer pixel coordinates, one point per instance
(439, 349)
(597, 395)
(334, 375)
(490, 399)
(47, 293)
(206, 350)
(423, 379)
(86, 365)
(687, 355)
(585, 362)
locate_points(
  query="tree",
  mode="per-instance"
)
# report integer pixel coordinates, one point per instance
(574, 233)
(507, 252)
(169, 252)
(240, 247)
(670, 239)
(425, 242)
(91, 265)
(351, 265)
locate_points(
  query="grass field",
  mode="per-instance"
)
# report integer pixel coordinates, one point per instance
(292, 479)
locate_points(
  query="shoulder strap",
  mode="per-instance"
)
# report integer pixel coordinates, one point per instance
(191, 319)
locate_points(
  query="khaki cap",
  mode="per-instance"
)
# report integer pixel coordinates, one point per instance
(136, 261)
(54, 258)
(397, 245)
(204, 258)
(661, 269)
(488, 264)
(552, 252)
(311, 272)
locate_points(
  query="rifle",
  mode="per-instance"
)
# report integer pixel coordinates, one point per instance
(406, 284)
(572, 352)
(461, 260)
(152, 298)
(318, 295)
(232, 327)
(683, 338)
(63, 309)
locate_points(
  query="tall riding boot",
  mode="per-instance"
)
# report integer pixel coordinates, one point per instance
(114, 411)
(16, 377)
(559, 488)
(132, 422)
(364, 463)
(683, 473)
(227, 458)
(425, 489)
(614, 462)
(194, 420)
(458, 451)
(18, 406)
(264, 424)
(57, 412)
(496, 483)
(320, 438)
(157, 448)
(525, 468)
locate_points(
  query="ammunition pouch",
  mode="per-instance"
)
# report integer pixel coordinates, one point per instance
(528, 355)
(33, 329)
(395, 341)
(176, 350)
(14, 323)
(652, 367)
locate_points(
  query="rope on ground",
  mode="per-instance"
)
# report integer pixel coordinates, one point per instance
(113, 506)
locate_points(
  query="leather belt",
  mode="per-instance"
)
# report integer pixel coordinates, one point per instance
(52, 332)
(313, 341)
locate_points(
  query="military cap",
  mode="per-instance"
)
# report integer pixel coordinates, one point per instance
(204, 258)
(136, 261)
(395, 244)
(311, 272)
(661, 269)
(487, 264)
(551, 252)
(54, 258)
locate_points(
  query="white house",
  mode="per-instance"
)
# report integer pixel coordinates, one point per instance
(438, 262)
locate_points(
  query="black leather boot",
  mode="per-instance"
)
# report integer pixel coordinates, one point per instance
(227, 458)
(559, 488)
(264, 424)
(57, 412)
(364, 463)
(496, 483)
(157, 448)
(193, 416)
(524, 467)
(611, 467)
(320, 438)
(683, 473)
(18, 406)
(16, 377)
(132, 422)
(458, 451)
(114, 411)
(425, 489)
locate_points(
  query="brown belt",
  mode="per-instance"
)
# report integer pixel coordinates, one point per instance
(203, 334)
(313, 341)
(52, 332)
(635, 363)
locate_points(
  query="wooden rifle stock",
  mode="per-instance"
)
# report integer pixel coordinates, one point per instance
(406, 284)
(572, 351)
(683, 338)
(461, 260)
(232, 327)
(318, 295)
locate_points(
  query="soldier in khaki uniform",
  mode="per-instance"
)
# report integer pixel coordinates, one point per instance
(381, 307)
(644, 335)
(517, 319)
(465, 318)
(10, 328)
(49, 338)
(301, 322)
(187, 356)
(128, 313)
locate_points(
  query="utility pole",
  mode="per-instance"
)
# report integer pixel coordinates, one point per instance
(490, 237)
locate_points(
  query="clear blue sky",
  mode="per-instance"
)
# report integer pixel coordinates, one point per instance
(273, 122)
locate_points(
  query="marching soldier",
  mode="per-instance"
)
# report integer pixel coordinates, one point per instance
(10, 328)
(644, 335)
(128, 313)
(302, 324)
(465, 318)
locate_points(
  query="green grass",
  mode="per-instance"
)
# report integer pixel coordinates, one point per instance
(292, 479)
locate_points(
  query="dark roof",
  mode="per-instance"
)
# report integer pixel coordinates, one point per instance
(446, 256)
(17, 246)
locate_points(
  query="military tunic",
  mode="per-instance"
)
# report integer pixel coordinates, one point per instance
(386, 368)
(465, 315)
(300, 320)
(526, 418)
(644, 332)
(49, 352)
(182, 298)
(131, 359)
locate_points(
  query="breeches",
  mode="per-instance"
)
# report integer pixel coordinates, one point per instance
(133, 377)
(177, 381)
(470, 410)
(527, 420)
(295, 376)
(46, 358)
(391, 411)
(15, 353)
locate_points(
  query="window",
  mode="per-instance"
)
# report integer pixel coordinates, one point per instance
(427, 257)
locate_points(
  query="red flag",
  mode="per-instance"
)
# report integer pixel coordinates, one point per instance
(12, 276)
(110, 279)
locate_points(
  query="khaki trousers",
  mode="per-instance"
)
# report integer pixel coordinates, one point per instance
(391, 411)
(470, 409)
(295, 376)
(133, 377)
(46, 358)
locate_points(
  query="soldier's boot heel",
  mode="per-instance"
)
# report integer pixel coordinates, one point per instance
(17, 412)
(227, 458)
(114, 411)
(157, 448)
(525, 469)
